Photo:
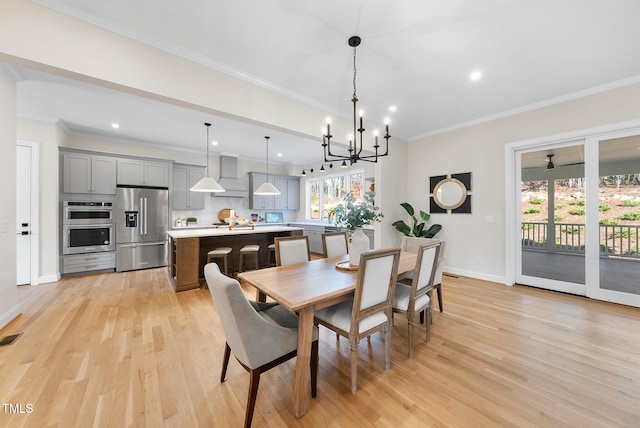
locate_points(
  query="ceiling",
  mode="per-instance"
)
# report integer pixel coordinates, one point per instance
(415, 54)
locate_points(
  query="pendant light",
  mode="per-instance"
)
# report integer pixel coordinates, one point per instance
(206, 183)
(267, 188)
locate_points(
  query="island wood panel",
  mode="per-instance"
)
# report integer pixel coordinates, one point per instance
(183, 268)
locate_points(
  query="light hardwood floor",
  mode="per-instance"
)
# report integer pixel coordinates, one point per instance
(119, 350)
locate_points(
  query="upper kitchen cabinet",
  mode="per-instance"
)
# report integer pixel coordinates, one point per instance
(86, 173)
(259, 202)
(184, 177)
(288, 199)
(136, 172)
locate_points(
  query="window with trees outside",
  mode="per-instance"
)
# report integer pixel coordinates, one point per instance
(325, 193)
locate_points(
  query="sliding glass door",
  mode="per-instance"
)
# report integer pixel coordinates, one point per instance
(551, 218)
(576, 215)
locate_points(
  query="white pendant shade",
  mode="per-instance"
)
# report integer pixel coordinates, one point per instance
(266, 189)
(207, 184)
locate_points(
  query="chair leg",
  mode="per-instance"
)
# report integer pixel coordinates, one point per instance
(387, 345)
(411, 328)
(225, 361)
(354, 367)
(254, 381)
(429, 317)
(439, 290)
(314, 368)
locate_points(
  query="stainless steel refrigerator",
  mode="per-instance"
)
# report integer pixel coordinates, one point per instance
(142, 218)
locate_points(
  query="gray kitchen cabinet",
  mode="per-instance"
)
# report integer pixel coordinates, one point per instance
(293, 193)
(88, 262)
(86, 173)
(315, 238)
(183, 178)
(288, 199)
(136, 172)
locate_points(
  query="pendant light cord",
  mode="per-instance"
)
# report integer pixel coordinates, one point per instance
(267, 138)
(207, 125)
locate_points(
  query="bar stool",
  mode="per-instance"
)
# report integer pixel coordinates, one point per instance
(220, 252)
(246, 251)
(271, 255)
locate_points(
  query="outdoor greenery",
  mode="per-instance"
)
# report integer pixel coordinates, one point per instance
(353, 214)
(418, 228)
(577, 202)
(608, 222)
(631, 216)
(557, 217)
(629, 203)
(577, 212)
(537, 201)
(604, 207)
(532, 211)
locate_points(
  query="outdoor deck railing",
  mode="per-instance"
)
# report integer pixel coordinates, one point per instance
(615, 240)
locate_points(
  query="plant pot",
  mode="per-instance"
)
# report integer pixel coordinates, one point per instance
(358, 244)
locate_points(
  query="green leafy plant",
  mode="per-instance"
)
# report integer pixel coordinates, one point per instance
(532, 211)
(579, 202)
(630, 203)
(609, 222)
(576, 212)
(353, 214)
(557, 217)
(417, 228)
(192, 220)
(537, 201)
(631, 216)
(604, 207)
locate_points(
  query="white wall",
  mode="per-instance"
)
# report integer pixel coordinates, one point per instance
(9, 308)
(474, 247)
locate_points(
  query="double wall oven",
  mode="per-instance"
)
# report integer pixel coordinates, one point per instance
(88, 227)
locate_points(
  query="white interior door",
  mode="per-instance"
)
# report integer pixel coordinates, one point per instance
(23, 214)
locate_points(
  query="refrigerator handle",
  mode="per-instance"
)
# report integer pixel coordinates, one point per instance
(145, 216)
(141, 217)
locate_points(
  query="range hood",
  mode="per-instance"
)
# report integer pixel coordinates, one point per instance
(229, 179)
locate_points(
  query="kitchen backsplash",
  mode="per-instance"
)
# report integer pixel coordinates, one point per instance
(213, 205)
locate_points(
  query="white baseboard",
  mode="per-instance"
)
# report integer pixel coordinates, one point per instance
(477, 275)
(49, 278)
(9, 316)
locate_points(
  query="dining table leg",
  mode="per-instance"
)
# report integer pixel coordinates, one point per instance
(305, 337)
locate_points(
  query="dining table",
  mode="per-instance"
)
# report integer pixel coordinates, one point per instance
(305, 288)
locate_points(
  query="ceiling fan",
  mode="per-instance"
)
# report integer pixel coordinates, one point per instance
(551, 165)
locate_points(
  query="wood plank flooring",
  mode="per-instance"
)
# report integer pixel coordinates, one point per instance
(122, 350)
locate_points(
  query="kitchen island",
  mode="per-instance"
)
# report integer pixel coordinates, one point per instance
(188, 250)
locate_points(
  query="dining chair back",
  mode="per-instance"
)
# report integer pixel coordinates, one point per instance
(292, 249)
(411, 245)
(260, 335)
(334, 244)
(416, 298)
(370, 309)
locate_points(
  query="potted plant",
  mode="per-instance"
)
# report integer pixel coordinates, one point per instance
(418, 228)
(190, 220)
(353, 216)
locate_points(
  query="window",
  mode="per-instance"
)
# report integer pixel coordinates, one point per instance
(327, 192)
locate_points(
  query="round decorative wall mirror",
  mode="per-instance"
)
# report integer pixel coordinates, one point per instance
(449, 193)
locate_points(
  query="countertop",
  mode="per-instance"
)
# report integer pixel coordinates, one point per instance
(200, 233)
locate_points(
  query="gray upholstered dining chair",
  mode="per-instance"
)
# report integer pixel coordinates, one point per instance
(416, 298)
(411, 244)
(260, 335)
(369, 311)
(292, 249)
(334, 244)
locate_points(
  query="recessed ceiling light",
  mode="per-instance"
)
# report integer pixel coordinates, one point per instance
(279, 155)
(115, 125)
(393, 108)
(475, 75)
(214, 143)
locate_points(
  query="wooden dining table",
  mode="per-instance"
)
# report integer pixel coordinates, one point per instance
(304, 288)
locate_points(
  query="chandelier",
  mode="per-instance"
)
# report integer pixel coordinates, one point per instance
(355, 147)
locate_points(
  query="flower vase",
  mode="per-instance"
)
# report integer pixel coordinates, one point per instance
(359, 243)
